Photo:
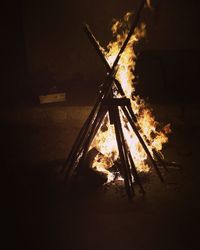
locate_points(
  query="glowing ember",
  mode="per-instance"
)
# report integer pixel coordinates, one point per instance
(149, 128)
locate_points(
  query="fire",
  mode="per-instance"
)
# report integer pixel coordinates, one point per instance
(149, 128)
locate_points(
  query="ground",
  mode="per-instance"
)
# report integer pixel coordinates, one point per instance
(40, 213)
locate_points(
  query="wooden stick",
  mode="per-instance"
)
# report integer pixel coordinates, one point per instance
(160, 160)
(135, 174)
(118, 132)
(86, 144)
(96, 46)
(135, 22)
(125, 148)
(126, 113)
(88, 123)
(96, 125)
(106, 86)
(131, 31)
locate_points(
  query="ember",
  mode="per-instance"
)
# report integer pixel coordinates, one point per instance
(121, 127)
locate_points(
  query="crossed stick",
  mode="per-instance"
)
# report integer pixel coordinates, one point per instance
(93, 122)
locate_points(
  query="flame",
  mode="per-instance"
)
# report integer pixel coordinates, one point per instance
(149, 4)
(151, 131)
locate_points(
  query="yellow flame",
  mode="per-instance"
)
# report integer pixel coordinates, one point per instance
(149, 128)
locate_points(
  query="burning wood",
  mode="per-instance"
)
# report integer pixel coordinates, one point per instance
(120, 125)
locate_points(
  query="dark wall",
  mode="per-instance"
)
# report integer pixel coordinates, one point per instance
(169, 76)
(13, 53)
(55, 38)
(44, 41)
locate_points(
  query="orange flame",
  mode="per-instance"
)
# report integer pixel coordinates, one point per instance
(149, 128)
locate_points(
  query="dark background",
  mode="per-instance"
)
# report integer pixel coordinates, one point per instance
(43, 45)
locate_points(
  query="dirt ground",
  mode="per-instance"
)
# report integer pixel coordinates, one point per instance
(39, 213)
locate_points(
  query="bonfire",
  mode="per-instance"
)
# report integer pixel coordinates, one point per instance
(121, 127)
(152, 133)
